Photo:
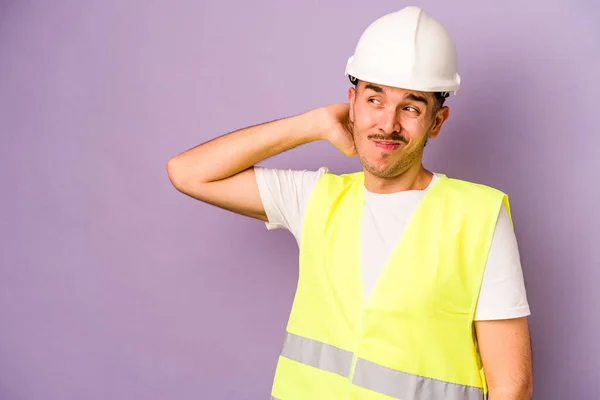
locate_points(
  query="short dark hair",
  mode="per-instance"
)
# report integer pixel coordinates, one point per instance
(439, 97)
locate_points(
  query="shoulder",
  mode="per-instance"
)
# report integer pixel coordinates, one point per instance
(471, 194)
(284, 193)
(330, 182)
(474, 201)
(331, 190)
(280, 175)
(283, 184)
(467, 188)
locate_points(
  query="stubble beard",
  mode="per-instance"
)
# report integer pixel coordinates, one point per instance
(396, 169)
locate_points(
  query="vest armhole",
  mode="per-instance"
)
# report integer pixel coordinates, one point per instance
(501, 199)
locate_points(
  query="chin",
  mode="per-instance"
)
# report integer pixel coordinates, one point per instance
(385, 174)
(380, 170)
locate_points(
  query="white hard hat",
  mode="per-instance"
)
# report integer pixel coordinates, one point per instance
(406, 49)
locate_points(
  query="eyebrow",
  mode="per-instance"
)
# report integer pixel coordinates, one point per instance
(415, 97)
(374, 88)
(410, 96)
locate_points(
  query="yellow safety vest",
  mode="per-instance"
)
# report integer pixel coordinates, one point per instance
(414, 337)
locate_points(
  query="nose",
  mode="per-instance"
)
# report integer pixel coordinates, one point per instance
(389, 122)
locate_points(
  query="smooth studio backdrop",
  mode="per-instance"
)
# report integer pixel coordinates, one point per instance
(115, 286)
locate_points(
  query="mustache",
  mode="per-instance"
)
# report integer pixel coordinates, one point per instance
(394, 136)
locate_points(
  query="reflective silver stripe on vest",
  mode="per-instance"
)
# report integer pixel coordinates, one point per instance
(368, 375)
(406, 386)
(316, 354)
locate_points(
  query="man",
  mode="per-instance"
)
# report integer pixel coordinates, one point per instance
(410, 283)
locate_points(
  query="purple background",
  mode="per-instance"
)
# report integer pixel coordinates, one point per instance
(115, 286)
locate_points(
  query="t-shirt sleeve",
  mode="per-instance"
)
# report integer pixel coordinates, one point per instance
(503, 294)
(284, 194)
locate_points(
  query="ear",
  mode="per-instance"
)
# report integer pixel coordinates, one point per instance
(351, 99)
(442, 115)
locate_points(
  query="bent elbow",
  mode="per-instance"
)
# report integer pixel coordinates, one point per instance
(175, 173)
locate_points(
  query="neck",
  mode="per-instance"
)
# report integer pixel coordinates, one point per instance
(414, 178)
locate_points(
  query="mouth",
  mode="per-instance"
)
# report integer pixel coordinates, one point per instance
(387, 145)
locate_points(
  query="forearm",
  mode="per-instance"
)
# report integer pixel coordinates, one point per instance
(237, 151)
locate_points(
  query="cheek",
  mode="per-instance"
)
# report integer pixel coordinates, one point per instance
(420, 124)
(364, 119)
(414, 128)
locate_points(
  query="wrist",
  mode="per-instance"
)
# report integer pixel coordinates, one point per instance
(313, 124)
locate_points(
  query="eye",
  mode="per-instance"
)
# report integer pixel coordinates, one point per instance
(411, 109)
(374, 101)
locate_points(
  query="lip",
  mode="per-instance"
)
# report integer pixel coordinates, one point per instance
(387, 145)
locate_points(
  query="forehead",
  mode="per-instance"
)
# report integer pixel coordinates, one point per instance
(392, 92)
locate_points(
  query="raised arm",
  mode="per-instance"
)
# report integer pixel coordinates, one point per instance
(220, 172)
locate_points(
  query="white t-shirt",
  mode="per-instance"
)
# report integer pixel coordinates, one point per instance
(285, 193)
